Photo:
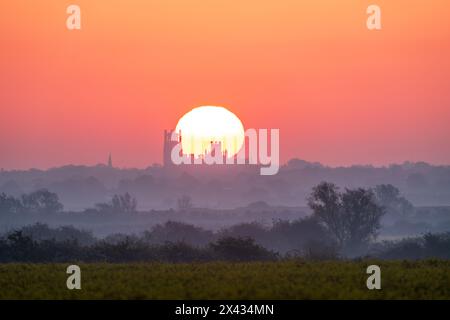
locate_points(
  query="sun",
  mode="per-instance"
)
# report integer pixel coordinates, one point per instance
(210, 124)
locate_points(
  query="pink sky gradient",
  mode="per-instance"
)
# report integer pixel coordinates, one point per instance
(339, 93)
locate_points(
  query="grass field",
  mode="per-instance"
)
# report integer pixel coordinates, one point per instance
(265, 280)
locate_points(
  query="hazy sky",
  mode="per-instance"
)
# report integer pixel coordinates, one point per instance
(339, 93)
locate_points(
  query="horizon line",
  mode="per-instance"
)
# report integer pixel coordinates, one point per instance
(154, 165)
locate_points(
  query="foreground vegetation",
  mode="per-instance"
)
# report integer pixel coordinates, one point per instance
(299, 259)
(342, 224)
(294, 279)
(182, 243)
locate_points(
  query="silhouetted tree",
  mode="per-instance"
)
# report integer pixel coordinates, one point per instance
(325, 202)
(124, 203)
(184, 203)
(41, 201)
(352, 217)
(9, 204)
(361, 215)
(119, 204)
(394, 204)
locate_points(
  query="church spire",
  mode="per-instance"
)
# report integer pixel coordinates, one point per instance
(110, 161)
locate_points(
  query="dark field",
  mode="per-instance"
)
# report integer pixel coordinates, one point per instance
(257, 280)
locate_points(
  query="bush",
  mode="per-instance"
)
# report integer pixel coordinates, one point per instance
(425, 247)
(41, 232)
(173, 231)
(240, 249)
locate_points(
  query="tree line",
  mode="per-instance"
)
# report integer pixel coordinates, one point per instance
(40, 243)
(342, 222)
(39, 201)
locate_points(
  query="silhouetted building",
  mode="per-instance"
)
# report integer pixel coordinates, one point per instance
(214, 148)
(168, 146)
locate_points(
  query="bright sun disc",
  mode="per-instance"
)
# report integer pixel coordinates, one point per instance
(203, 125)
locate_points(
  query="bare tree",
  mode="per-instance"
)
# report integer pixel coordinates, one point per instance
(119, 204)
(184, 203)
(124, 203)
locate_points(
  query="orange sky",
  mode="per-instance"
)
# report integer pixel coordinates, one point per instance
(339, 93)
